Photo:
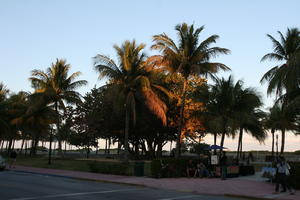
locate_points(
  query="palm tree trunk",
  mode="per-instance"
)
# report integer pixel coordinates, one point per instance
(13, 145)
(9, 145)
(224, 133)
(126, 142)
(282, 141)
(239, 150)
(6, 146)
(26, 147)
(57, 128)
(222, 139)
(50, 148)
(65, 147)
(178, 144)
(2, 143)
(215, 143)
(273, 140)
(105, 150)
(22, 145)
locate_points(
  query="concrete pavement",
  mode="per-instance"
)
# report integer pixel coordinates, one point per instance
(244, 186)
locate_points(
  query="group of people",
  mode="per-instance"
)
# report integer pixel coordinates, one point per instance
(199, 169)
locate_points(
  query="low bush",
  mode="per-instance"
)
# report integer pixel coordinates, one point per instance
(109, 168)
(168, 167)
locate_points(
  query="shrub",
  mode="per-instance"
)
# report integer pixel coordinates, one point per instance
(109, 168)
(294, 178)
(168, 167)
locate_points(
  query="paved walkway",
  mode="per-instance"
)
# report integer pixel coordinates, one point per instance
(252, 186)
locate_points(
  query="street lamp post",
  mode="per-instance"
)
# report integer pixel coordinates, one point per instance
(276, 145)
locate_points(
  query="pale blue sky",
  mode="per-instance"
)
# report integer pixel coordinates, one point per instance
(34, 33)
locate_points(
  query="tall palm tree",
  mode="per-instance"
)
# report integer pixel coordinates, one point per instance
(285, 76)
(221, 106)
(272, 122)
(251, 123)
(282, 118)
(189, 57)
(133, 80)
(247, 114)
(56, 86)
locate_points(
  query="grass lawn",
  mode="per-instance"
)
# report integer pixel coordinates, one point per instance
(57, 163)
(74, 164)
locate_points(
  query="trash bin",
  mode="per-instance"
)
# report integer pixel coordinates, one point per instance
(139, 168)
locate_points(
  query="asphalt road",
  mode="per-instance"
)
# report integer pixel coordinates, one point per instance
(26, 186)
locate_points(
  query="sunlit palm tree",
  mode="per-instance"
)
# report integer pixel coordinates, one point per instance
(133, 78)
(188, 57)
(56, 86)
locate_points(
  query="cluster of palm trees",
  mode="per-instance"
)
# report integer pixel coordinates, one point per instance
(160, 98)
(283, 80)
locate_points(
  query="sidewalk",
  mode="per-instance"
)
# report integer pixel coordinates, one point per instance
(243, 186)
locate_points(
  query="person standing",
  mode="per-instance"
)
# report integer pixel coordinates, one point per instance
(223, 165)
(13, 158)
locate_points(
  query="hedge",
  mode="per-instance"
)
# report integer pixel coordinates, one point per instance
(170, 167)
(294, 178)
(109, 168)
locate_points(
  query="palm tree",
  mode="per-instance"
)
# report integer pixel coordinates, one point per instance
(133, 80)
(285, 76)
(272, 122)
(56, 87)
(36, 121)
(247, 114)
(282, 118)
(187, 58)
(221, 106)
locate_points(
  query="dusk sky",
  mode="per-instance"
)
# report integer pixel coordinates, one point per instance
(35, 33)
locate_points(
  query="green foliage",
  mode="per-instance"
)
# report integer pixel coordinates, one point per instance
(199, 148)
(297, 152)
(168, 168)
(295, 175)
(109, 168)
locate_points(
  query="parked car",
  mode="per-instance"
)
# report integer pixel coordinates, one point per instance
(2, 163)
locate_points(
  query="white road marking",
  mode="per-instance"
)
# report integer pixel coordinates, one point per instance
(73, 194)
(182, 197)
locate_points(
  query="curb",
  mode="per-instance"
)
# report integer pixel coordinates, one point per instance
(247, 197)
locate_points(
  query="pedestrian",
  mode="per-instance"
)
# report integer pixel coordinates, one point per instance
(223, 165)
(282, 174)
(13, 158)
